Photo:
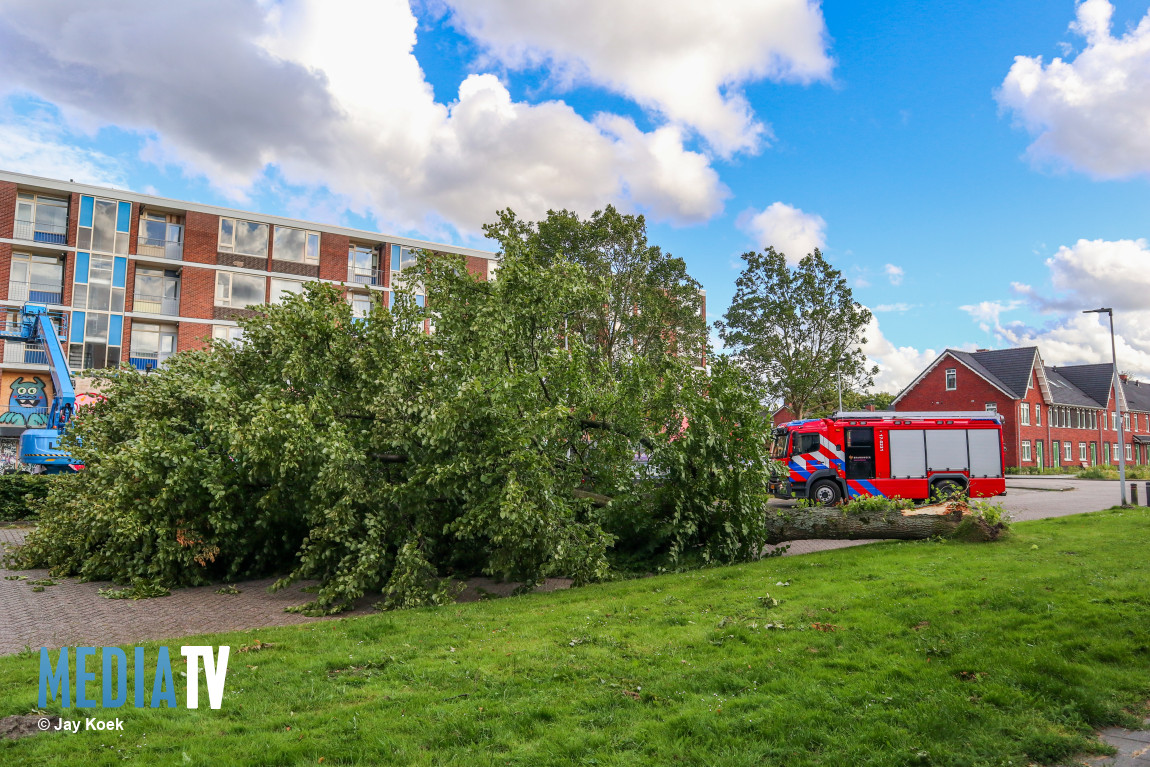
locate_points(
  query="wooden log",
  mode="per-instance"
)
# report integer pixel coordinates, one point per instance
(831, 523)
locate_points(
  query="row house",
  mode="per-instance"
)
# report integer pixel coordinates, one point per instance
(1052, 415)
(133, 278)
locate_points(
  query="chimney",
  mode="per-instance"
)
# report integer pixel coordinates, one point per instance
(981, 350)
(871, 408)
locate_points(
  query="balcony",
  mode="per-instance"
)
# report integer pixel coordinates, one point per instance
(20, 353)
(362, 276)
(146, 361)
(36, 292)
(160, 248)
(51, 234)
(152, 304)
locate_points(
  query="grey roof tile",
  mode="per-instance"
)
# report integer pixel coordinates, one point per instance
(1065, 393)
(1093, 380)
(1009, 369)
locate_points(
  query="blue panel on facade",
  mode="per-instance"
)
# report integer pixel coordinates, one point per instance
(115, 329)
(86, 204)
(124, 217)
(119, 272)
(81, 267)
(77, 327)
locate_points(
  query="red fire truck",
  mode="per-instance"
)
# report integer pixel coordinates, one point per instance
(898, 455)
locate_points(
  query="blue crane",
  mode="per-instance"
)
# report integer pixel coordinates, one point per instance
(41, 447)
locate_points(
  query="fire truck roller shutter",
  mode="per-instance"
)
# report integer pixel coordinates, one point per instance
(907, 454)
(946, 450)
(985, 453)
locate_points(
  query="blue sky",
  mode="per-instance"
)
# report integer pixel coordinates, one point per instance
(972, 200)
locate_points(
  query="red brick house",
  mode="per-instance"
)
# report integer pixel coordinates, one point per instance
(1053, 416)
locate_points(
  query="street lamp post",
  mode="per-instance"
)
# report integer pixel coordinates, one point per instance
(1117, 403)
(839, 372)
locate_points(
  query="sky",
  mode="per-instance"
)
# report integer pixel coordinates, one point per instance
(977, 170)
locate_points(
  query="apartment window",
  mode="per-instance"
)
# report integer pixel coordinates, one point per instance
(360, 305)
(1024, 413)
(1127, 451)
(35, 278)
(152, 344)
(1070, 451)
(1038, 415)
(280, 288)
(41, 218)
(992, 407)
(161, 235)
(157, 291)
(1093, 419)
(244, 238)
(492, 269)
(103, 225)
(1114, 420)
(296, 245)
(231, 333)
(951, 379)
(363, 265)
(1026, 450)
(401, 258)
(1082, 452)
(97, 323)
(1126, 421)
(238, 290)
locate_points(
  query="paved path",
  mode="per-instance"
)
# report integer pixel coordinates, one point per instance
(1133, 748)
(73, 613)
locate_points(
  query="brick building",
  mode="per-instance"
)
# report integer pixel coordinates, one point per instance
(134, 278)
(1053, 416)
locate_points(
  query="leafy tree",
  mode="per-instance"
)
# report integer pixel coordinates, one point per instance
(794, 330)
(379, 459)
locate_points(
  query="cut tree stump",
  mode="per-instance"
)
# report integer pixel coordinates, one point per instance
(831, 523)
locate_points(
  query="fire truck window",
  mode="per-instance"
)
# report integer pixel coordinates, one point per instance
(805, 443)
(860, 453)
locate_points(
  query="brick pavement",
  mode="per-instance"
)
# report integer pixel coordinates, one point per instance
(73, 613)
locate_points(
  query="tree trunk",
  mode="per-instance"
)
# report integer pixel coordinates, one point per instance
(794, 524)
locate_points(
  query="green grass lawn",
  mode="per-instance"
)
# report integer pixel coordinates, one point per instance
(938, 653)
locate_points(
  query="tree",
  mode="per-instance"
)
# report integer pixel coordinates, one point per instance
(794, 331)
(378, 458)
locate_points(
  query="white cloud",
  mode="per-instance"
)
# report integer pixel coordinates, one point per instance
(893, 273)
(1091, 113)
(898, 365)
(988, 314)
(899, 307)
(786, 228)
(1087, 275)
(330, 96)
(42, 149)
(685, 60)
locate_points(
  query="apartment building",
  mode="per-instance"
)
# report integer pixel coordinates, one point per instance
(133, 278)
(1052, 415)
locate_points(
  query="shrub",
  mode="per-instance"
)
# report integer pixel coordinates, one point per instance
(18, 491)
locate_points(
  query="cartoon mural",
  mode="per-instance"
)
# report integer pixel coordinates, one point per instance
(27, 402)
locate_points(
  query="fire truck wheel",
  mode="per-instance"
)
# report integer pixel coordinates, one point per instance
(945, 488)
(826, 493)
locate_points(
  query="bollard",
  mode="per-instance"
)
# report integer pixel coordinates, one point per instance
(1148, 493)
(1133, 493)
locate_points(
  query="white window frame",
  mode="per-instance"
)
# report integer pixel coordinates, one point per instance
(1024, 413)
(1026, 450)
(1126, 450)
(228, 277)
(230, 333)
(1038, 415)
(307, 257)
(275, 294)
(1082, 452)
(951, 379)
(1069, 451)
(230, 247)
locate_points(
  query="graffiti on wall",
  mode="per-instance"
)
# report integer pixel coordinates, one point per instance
(28, 397)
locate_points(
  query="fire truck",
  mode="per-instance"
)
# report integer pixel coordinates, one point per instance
(898, 455)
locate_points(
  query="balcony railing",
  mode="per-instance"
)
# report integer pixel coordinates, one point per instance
(148, 360)
(36, 292)
(362, 276)
(143, 302)
(157, 248)
(53, 234)
(20, 353)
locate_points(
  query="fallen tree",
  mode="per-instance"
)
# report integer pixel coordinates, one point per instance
(897, 521)
(555, 423)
